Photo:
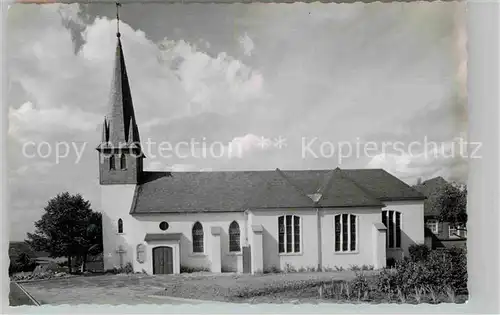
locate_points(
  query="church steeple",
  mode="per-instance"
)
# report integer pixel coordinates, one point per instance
(122, 116)
(120, 134)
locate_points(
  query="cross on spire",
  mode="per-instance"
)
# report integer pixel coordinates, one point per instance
(118, 5)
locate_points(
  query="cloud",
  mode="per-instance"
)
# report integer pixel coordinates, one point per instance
(39, 167)
(446, 159)
(246, 44)
(217, 84)
(248, 143)
(27, 121)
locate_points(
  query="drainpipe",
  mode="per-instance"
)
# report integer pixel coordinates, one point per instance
(320, 243)
(246, 226)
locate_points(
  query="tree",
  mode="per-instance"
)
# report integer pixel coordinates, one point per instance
(450, 201)
(68, 228)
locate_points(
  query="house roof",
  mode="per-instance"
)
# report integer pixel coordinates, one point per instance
(428, 188)
(236, 191)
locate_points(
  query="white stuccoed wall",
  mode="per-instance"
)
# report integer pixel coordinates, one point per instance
(309, 246)
(115, 204)
(308, 257)
(116, 201)
(365, 253)
(412, 225)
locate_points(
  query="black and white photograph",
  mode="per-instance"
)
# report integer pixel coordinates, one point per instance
(258, 153)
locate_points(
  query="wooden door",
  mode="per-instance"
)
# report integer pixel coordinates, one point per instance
(163, 260)
(247, 256)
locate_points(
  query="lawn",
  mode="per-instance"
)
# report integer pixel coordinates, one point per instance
(300, 287)
(139, 288)
(248, 288)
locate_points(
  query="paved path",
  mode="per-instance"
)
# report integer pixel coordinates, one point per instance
(18, 296)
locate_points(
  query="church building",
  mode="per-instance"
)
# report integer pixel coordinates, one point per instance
(244, 221)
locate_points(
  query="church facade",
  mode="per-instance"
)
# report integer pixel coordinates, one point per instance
(244, 221)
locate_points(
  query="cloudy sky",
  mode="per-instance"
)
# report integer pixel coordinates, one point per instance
(314, 75)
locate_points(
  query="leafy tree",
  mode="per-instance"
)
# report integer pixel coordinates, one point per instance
(450, 201)
(68, 228)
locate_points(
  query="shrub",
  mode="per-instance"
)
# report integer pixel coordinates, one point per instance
(273, 269)
(442, 272)
(360, 286)
(128, 268)
(289, 268)
(23, 263)
(187, 269)
(419, 252)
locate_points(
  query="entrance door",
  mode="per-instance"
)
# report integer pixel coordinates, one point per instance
(247, 256)
(163, 260)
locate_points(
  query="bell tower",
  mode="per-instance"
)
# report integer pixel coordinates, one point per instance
(120, 153)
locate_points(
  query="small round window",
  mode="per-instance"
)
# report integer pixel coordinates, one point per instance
(163, 226)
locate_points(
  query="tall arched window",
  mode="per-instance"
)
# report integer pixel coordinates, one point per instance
(123, 162)
(289, 237)
(112, 162)
(234, 237)
(392, 220)
(120, 226)
(345, 232)
(197, 238)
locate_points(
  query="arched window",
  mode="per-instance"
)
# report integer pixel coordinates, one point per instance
(112, 162)
(234, 237)
(197, 238)
(345, 232)
(289, 234)
(120, 226)
(392, 220)
(123, 162)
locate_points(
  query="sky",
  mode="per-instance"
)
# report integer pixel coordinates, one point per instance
(289, 86)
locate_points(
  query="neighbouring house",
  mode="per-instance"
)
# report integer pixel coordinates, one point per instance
(244, 221)
(438, 234)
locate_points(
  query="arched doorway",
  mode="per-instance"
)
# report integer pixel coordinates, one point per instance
(163, 260)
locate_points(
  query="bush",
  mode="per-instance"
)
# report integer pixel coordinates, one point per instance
(442, 270)
(23, 263)
(419, 252)
(187, 269)
(360, 285)
(273, 269)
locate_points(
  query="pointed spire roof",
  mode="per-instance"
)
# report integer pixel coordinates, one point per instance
(105, 132)
(122, 123)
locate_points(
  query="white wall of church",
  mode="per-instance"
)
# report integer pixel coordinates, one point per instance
(183, 223)
(364, 253)
(412, 225)
(115, 203)
(308, 256)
